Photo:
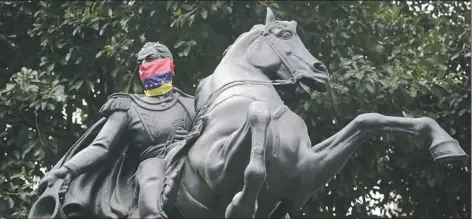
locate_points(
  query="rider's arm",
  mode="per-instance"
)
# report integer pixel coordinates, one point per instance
(101, 147)
(106, 140)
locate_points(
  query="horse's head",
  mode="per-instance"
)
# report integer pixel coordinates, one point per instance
(279, 52)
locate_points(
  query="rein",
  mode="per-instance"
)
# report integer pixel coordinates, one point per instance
(215, 94)
(276, 82)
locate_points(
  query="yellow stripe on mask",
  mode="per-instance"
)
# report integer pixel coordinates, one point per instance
(163, 89)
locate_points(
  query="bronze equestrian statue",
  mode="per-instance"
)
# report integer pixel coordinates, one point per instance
(248, 155)
(116, 169)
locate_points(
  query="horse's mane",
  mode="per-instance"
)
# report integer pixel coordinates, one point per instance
(256, 27)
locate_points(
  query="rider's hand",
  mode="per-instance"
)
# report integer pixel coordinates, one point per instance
(180, 134)
(52, 177)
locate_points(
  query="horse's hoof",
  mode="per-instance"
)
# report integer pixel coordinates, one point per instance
(448, 152)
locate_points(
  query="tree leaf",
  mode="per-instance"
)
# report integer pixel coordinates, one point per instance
(369, 88)
(169, 4)
(90, 85)
(229, 9)
(9, 87)
(103, 29)
(68, 56)
(77, 85)
(413, 92)
(99, 53)
(179, 44)
(186, 50)
(204, 13)
(51, 106)
(95, 26)
(50, 67)
(37, 152)
(11, 203)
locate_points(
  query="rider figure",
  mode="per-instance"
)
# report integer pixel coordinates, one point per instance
(147, 123)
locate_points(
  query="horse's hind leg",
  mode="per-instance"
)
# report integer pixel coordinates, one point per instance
(244, 203)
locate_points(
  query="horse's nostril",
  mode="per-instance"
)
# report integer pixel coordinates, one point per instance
(319, 66)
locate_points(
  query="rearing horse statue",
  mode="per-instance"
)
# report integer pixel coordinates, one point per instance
(248, 155)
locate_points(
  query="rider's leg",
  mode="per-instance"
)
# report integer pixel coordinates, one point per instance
(244, 203)
(150, 179)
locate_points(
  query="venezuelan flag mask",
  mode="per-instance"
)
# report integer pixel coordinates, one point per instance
(157, 76)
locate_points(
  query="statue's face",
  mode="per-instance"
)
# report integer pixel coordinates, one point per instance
(147, 59)
(147, 54)
(152, 51)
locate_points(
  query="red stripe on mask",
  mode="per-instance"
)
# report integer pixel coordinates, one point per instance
(156, 67)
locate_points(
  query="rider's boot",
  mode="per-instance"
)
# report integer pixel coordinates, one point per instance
(150, 179)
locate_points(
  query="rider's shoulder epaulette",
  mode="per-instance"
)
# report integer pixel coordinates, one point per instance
(116, 102)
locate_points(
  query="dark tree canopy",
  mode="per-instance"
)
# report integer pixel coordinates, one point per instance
(60, 61)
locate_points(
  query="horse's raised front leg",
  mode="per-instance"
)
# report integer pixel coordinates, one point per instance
(329, 156)
(244, 203)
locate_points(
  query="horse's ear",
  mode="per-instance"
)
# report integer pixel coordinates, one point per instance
(270, 18)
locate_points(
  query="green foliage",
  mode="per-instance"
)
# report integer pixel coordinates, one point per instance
(62, 59)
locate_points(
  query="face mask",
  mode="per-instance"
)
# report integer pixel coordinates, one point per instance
(157, 76)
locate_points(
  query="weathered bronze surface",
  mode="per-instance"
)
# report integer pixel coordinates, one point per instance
(247, 154)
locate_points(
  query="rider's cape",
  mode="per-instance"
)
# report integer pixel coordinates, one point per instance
(105, 192)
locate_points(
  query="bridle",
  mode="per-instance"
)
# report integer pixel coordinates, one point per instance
(270, 40)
